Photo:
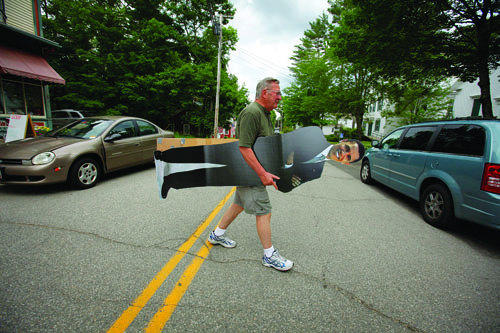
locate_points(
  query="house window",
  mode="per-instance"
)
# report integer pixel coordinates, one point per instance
(377, 125)
(18, 97)
(34, 99)
(13, 97)
(380, 106)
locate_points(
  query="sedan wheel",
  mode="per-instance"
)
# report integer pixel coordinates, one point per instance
(436, 206)
(84, 173)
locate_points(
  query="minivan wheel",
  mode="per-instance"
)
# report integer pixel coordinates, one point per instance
(365, 173)
(84, 173)
(436, 206)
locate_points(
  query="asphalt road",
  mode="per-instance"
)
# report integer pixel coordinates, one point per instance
(365, 261)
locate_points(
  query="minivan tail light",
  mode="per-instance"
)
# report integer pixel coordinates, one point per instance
(491, 178)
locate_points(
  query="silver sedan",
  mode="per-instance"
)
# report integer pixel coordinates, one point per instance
(80, 152)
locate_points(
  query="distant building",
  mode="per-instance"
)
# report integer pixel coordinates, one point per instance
(337, 125)
(374, 125)
(466, 97)
(24, 71)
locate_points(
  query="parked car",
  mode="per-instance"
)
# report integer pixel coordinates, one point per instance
(80, 152)
(65, 116)
(451, 167)
(67, 113)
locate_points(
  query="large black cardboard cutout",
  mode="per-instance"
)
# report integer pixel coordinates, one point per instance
(296, 157)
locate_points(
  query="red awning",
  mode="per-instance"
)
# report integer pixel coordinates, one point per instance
(25, 64)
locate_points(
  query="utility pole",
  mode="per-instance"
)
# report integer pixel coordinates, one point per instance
(216, 122)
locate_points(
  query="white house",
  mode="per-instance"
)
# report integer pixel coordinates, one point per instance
(466, 97)
(374, 125)
(331, 129)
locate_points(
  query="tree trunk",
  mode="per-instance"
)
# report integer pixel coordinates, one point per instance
(486, 105)
(359, 124)
(484, 73)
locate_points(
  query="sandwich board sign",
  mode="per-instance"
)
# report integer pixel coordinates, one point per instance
(20, 127)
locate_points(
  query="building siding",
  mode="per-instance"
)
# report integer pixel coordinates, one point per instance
(20, 14)
(465, 93)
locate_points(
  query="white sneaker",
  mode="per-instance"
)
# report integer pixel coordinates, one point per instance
(221, 240)
(276, 261)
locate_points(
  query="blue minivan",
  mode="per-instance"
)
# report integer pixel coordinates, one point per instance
(451, 167)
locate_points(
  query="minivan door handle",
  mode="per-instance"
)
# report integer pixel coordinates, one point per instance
(396, 155)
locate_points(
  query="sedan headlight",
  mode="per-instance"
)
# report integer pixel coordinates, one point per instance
(43, 158)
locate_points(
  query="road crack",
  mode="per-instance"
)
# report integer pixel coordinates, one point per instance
(325, 284)
(98, 236)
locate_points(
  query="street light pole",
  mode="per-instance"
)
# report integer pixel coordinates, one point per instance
(216, 122)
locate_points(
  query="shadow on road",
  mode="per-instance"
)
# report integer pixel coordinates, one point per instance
(481, 238)
(40, 190)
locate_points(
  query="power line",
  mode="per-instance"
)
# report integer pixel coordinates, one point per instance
(280, 69)
(236, 58)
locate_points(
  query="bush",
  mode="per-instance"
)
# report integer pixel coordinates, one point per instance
(332, 138)
(349, 133)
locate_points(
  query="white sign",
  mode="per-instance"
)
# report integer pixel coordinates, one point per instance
(18, 127)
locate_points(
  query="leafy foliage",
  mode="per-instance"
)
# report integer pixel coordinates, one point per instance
(417, 102)
(327, 87)
(148, 58)
(399, 51)
(426, 39)
(308, 96)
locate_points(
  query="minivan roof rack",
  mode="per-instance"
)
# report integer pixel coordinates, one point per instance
(474, 118)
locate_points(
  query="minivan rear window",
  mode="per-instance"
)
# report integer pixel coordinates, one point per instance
(461, 139)
(416, 138)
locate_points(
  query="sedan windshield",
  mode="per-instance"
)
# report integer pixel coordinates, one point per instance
(84, 129)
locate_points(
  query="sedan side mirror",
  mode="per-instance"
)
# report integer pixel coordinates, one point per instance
(375, 143)
(113, 137)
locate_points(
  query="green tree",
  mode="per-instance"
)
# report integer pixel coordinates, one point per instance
(327, 86)
(308, 96)
(426, 39)
(353, 91)
(417, 102)
(147, 58)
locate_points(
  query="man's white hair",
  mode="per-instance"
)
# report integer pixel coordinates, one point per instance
(265, 83)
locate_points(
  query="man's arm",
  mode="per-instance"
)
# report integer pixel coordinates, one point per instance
(266, 177)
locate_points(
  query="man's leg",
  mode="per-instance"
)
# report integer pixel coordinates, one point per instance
(217, 237)
(230, 215)
(271, 257)
(264, 230)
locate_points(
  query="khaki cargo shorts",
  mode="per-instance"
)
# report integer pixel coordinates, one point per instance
(253, 199)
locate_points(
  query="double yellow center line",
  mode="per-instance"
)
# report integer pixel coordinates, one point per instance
(163, 315)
